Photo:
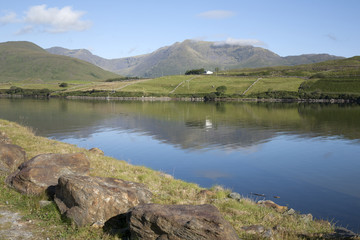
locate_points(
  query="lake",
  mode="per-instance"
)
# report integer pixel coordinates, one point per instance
(306, 154)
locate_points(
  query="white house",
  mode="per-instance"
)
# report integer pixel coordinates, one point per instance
(209, 72)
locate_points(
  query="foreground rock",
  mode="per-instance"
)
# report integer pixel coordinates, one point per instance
(11, 156)
(154, 221)
(94, 200)
(41, 173)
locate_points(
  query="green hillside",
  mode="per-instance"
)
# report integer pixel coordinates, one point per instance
(25, 61)
(338, 79)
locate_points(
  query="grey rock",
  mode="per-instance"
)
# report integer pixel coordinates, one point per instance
(235, 195)
(307, 217)
(91, 200)
(267, 233)
(175, 222)
(291, 211)
(254, 229)
(258, 230)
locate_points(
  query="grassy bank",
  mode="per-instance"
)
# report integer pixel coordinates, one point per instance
(48, 222)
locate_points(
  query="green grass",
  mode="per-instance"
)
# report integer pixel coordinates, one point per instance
(342, 67)
(276, 84)
(335, 85)
(166, 191)
(206, 84)
(162, 85)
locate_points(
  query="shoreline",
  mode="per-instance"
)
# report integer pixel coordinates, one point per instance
(240, 212)
(189, 99)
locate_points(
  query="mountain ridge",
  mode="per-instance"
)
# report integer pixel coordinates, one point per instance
(189, 54)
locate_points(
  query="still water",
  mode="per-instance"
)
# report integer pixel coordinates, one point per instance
(308, 154)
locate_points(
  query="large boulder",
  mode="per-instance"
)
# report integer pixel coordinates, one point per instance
(11, 156)
(175, 222)
(94, 200)
(41, 173)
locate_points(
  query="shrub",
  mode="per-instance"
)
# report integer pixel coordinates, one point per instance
(210, 97)
(195, 71)
(221, 90)
(64, 84)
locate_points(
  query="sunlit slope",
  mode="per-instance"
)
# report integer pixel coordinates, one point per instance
(203, 84)
(21, 61)
(329, 77)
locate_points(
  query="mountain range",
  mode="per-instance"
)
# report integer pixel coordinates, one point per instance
(190, 54)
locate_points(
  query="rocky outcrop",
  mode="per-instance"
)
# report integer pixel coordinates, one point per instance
(175, 222)
(94, 200)
(11, 156)
(41, 173)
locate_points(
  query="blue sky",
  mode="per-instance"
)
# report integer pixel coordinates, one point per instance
(117, 28)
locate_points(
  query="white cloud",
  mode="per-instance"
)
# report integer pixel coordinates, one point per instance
(56, 20)
(216, 14)
(8, 18)
(240, 42)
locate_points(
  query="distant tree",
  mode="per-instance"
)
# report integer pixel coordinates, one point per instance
(64, 84)
(195, 71)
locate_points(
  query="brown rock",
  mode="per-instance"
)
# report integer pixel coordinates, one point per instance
(41, 173)
(96, 151)
(204, 195)
(271, 204)
(11, 156)
(175, 222)
(94, 200)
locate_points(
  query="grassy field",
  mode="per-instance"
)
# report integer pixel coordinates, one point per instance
(193, 85)
(276, 84)
(47, 222)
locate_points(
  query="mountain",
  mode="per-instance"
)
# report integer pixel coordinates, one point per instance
(26, 61)
(189, 54)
